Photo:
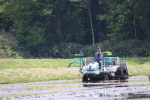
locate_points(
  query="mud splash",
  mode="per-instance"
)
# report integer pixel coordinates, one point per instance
(136, 87)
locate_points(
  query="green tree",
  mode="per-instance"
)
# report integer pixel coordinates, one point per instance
(35, 37)
(22, 13)
(116, 18)
(142, 15)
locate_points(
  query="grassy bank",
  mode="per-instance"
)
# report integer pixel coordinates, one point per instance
(27, 70)
(138, 66)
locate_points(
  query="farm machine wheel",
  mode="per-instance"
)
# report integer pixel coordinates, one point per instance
(106, 76)
(84, 80)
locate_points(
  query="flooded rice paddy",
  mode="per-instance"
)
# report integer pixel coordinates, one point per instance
(135, 88)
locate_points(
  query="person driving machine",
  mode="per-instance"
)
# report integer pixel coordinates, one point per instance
(98, 56)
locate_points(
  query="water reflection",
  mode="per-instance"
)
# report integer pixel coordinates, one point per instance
(111, 96)
(117, 96)
(136, 87)
(116, 83)
(142, 80)
(133, 81)
(139, 96)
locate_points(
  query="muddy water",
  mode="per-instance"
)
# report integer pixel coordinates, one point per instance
(135, 88)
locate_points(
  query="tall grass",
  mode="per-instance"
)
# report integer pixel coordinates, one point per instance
(34, 63)
(26, 70)
(138, 65)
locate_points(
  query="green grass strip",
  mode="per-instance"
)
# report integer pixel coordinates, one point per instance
(31, 70)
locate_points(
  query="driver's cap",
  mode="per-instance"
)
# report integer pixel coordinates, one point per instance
(98, 48)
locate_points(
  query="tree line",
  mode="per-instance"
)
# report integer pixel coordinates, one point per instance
(38, 26)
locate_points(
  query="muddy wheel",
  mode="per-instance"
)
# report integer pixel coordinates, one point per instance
(111, 78)
(84, 80)
(122, 74)
(106, 77)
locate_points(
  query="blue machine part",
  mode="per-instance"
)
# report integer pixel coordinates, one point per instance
(93, 66)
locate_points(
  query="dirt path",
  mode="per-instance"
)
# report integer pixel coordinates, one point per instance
(135, 88)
